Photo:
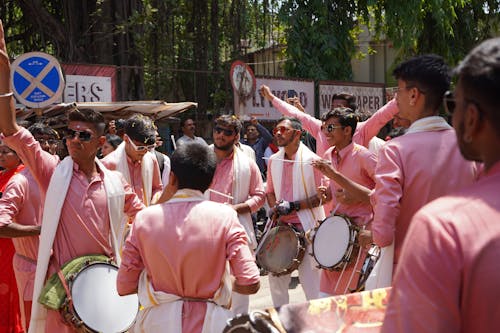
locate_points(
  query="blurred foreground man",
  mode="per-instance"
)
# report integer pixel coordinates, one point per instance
(177, 254)
(449, 282)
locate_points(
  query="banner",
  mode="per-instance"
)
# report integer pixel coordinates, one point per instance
(262, 109)
(369, 96)
(89, 83)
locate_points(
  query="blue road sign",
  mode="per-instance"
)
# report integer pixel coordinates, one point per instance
(37, 80)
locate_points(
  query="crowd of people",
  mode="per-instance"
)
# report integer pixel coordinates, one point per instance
(181, 228)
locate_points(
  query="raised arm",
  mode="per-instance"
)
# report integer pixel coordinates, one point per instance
(8, 125)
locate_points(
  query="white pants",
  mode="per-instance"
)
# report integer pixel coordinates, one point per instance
(309, 276)
(240, 303)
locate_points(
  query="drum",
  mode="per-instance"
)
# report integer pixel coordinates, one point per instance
(371, 259)
(334, 241)
(281, 251)
(96, 305)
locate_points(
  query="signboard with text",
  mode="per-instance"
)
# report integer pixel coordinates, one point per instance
(369, 96)
(262, 109)
(90, 83)
(84, 88)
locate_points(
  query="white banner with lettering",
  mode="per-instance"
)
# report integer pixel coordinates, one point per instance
(369, 97)
(86, 88)
(260, 108)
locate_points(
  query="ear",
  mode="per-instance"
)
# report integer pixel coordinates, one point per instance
(414, 95)
(472, 121)
(348, 131)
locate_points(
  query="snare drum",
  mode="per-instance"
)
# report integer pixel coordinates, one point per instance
(281, 251)
(96, 305)
(334, 241)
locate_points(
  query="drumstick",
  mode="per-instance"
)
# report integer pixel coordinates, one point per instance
(292, 161)
(221, 194)
(173, 142)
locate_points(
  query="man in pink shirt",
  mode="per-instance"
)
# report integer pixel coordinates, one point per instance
(21, 217)
(414, 169)
(83, 225)
(181, 247)
(365, 130)
(237, 182)
(358, 164)
(447, 278)
(291, 190)
(135, 161)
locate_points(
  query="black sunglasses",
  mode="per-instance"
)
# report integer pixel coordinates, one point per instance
(331, 127)
(226, 132)
(83, 136)
(449, 102)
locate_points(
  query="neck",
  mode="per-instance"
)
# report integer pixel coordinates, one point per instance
(291, 149)
(342, 145)
(423, 114)
(222, 154)
(252, 141)
(88, 167)
(189, 135)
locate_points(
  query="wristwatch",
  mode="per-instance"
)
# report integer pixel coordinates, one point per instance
(295, 205)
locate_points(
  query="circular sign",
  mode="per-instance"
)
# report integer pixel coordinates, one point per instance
(37, 79)
(242, 80)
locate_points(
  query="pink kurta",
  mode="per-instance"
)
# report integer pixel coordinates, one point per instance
(111, 161)
(358, 164)
(223, 183)
(287, 187)
(448, 276)
(184, 247)
(84, 223)
(365, 130)
(22, 203)
(413, 170)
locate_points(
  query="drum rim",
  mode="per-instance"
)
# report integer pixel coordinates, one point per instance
(73, 308)
(350, 245)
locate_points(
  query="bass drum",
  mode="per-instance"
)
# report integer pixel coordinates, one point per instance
(281, 251)
(334, 242)
(96, 305)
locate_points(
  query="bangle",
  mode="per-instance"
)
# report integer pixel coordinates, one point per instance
(7, 94)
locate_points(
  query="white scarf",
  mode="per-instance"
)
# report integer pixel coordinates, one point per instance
(147, 166)
(304, 185)
(55, 199)
(429, 124)
(241, 188)
(163, 311)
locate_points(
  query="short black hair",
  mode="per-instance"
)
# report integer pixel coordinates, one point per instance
(39, 129)
(114, 140)
(194, 166)
(429, 74)
(296, 124)
(88, 116)
(183, 121)
(346, 117)
(141, 128)
(479, 75)
(350, 99)
(229, 120)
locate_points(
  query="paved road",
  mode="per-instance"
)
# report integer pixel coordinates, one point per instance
(262, 300)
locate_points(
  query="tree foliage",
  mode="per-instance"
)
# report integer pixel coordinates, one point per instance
(181, 50)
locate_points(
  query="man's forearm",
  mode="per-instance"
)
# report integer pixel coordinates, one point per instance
(15, 230)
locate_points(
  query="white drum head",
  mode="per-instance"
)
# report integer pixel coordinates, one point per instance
(97, 303)
(331, 241)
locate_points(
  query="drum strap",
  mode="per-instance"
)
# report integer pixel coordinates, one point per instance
(61, 277)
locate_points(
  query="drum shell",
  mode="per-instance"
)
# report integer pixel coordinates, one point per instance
(266, 254)
(348, 252)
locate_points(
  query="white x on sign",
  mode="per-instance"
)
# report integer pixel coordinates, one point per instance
(37, 79)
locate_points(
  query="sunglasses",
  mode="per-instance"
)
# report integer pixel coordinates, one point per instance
(224, 131)
(140, 148)
(330, 128)
(281, 129)
(83, 136)
(449, 102)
